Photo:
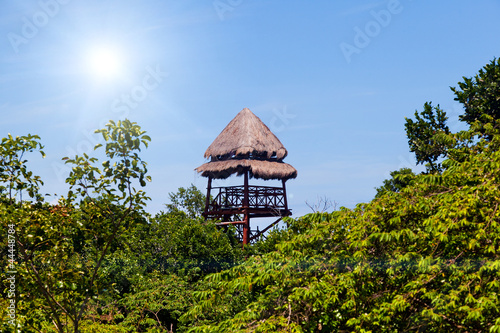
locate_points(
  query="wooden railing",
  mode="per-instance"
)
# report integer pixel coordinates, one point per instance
(232, 197)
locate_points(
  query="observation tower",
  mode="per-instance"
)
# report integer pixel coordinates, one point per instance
(246, 147)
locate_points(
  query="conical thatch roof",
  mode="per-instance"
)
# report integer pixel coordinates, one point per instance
(247, 144)
(246, 134)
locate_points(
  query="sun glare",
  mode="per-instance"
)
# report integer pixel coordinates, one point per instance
(104, 63)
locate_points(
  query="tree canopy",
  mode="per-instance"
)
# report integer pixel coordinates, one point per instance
(423, 259)
(479, 95)
(424, 136)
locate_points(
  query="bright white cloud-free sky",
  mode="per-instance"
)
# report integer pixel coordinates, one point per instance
(333, 80)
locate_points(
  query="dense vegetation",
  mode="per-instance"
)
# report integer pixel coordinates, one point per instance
(422, 256)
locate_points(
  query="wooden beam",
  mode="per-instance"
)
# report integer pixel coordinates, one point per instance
(230, 222)
(266, 229)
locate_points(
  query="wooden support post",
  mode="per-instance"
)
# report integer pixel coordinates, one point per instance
(246, 230)
(207, 200)
(245, 191)
(284, 195)
(246, 220)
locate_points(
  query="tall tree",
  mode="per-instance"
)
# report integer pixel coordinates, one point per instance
(188, 200)
(480, 95)
(62, 248)
(425, 136)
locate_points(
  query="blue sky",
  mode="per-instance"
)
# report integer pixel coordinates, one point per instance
(334, 80)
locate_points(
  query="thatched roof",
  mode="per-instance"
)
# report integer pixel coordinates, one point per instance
(247, 144)
(258, 169)
(246, 134)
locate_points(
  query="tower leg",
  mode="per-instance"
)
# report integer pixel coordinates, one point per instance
(246, 229)
(207, 199)
(246, 225)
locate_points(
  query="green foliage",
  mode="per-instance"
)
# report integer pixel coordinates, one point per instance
(188, 200)
(190, 247)
(425, 136)
(161, 263)
(156, 302)
(61, 249)
(14, 174)
(114, 182)
(423, 259)
(480, 94)
(399, 180)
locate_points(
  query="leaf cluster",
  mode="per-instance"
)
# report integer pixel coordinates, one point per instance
(480, 94)
(60, 250)
(14, 174)
(425, 136)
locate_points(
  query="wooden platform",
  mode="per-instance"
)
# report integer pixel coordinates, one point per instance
(263, 201)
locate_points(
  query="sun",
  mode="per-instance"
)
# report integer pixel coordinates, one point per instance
(105, 62)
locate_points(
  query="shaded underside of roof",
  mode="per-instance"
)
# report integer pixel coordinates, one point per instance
(258, 169)
(246, 134)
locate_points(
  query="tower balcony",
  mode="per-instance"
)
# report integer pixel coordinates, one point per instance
(263, 201)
